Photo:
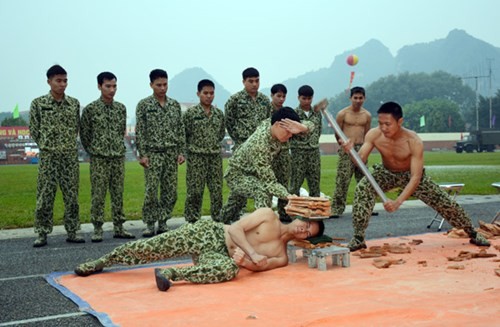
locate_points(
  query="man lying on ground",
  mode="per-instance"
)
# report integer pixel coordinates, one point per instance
(257, 242)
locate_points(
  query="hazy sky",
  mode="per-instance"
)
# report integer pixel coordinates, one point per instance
(282, 38)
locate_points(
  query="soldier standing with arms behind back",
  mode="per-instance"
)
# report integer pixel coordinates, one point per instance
(205, 130)
(103, 126)
(54, 126)
(355, 122)
(160, 141)
(245, 110)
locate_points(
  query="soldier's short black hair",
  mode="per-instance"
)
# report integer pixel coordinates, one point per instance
(250, 72)
(157, 73)
(205, 82)
(284, 113)
(105, 76)
(55, 70)
(321, 226)
(306, 91)
(278, 88)
(392, 108)
(357, 89)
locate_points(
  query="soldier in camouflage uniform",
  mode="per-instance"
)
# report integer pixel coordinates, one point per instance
(54, 126)
(355, 122)
(245, 110)
(257, 242)
(250, 174)
(103, 126)
(205, 130)
(160, 141)
(306, 158)
(282, 163)
(402, 167)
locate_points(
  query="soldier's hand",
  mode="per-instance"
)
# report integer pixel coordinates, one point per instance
(180, 159)
(259, 260)
(239, 256)
(144, 161)
(320, 106)
(293, 126)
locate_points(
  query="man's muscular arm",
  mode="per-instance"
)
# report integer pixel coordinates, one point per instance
(244, 261)
(237, 232)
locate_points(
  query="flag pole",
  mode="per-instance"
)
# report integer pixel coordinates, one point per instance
(355, 155)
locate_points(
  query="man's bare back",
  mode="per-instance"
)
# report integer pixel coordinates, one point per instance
(354, 123)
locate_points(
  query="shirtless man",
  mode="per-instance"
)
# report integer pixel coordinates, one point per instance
(402, 167)
(256, 242)
(355, 122)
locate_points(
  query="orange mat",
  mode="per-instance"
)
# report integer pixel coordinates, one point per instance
(360, 295)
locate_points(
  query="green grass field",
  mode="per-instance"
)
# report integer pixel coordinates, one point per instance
(18, 185)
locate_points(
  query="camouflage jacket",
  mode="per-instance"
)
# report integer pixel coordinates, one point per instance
(103, 128)
(158, 128)
(243, 114)
(254, 157)
(310, 140)
(54, 125)
(204, 134)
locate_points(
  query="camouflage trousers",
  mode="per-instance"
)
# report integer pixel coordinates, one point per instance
(345, 169)
(282, 167)
(107, 173)
(427, 191)
(201, 170)
(306, 165)
(203, 240)
(242, 188)
(160, 176)
(54, 170)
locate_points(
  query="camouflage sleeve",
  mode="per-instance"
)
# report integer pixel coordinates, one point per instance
(266, 174)
(77, 114)
(139, 129)
(231, 119)
(186, 120)
(310, 126)
(86, 128)
(222, 131)
(35, 121)
(124, 118)
(181, 133)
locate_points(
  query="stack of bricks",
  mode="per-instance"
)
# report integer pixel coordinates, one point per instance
(308, 207)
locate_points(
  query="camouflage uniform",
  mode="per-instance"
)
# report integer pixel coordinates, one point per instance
(250, 175)
(203, 240)
(54, 127)
(282, 169)
(204, 135)
(243, 115)
(306, 158)
(345, 169)
(427, 191)
(102, 130)
(159, 137)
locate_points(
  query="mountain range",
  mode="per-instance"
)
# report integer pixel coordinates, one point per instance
(459, 54)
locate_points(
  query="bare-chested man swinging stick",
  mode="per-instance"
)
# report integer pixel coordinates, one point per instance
(402, 167)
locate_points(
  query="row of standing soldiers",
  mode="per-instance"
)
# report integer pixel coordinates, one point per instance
(165, 138)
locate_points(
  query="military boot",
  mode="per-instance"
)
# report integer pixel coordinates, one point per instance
(162, 227)
(120, 232)
(40, 241)
(97, 237)
(73, 238)
(149, 231)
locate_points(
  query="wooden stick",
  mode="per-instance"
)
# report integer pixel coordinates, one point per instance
(355, 155)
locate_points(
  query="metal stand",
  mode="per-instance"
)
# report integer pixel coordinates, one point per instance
(453, 189)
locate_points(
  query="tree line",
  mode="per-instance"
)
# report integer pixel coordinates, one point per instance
(432, 103)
